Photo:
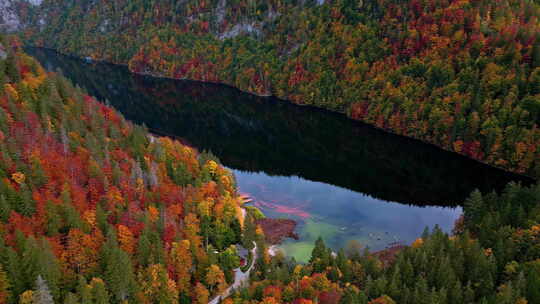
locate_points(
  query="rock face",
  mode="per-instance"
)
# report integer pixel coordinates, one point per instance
(275, 230)
(9, 21)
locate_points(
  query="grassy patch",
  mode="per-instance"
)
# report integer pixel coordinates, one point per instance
(301, 251)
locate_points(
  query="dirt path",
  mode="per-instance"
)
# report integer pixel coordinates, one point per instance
(240, 278)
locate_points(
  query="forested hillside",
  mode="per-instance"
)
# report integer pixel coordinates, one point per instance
(493, 258)
(94, 209)
(461, 74)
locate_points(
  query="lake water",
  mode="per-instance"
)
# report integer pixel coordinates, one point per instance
(340, 179)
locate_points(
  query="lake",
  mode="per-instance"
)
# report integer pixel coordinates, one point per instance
(338, 178)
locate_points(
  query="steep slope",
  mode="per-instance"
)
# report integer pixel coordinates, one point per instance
(9, 20)
(225, 121)
(461, 74)
(93, 209)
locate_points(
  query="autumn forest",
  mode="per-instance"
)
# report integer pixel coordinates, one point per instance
(461, 74)
(97, 209)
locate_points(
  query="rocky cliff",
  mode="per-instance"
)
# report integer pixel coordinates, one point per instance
(9, 20)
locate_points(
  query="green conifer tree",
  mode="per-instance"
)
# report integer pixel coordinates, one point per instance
(4, 286)
(5, 209)
(84, 291)
(99, 292)
(118, 270)
(12, 69)
(71, 298)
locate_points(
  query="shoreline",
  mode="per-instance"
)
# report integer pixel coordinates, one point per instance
(277, 229)
(271, 96)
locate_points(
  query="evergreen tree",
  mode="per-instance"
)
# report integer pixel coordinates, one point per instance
(533, 281)
(49, 268)
(320, 256)
(25, 205)
(468, 294)
(3, 76)
(84, 291)
(54, 221)
(474, 208)
(101, 219)
(455, 294)
(5, 209)
(350, 297)
(118, 270)
(149, 248)
(319, 251)
(12, 69)
(535, 62)
(99, 292)
(12, 266)
(343, 265)
(4, 286)
(71, 298)
(249, 235)
(30, 262)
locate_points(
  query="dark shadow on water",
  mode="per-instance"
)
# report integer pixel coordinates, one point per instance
(253, 133)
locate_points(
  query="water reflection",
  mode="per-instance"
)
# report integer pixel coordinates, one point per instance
(339, 177)
(338, 214)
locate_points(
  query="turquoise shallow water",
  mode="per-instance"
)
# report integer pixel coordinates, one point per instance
(339, 215)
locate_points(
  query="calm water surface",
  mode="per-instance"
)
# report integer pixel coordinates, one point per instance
(338, 178)
(338, 214)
